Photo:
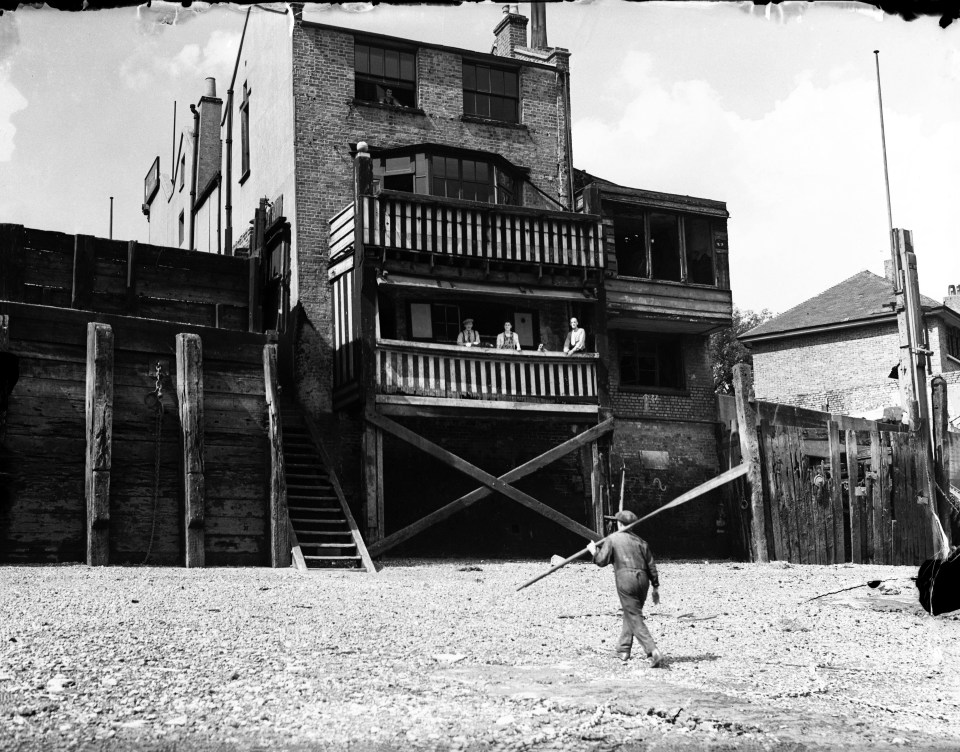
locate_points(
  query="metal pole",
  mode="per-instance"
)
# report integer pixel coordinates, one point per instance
(886, 174)
(111, 218)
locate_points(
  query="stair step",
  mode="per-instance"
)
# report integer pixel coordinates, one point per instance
(332, 558)
(326, 533)
(326, 545)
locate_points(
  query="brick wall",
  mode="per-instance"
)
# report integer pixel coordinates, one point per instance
(697, 402)
(327, 121)
(664, 459)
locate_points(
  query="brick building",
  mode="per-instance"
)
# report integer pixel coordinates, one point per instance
(839, 350)
(398, 187)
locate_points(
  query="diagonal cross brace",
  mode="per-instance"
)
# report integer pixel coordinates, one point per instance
(490, 481)
(561, 450)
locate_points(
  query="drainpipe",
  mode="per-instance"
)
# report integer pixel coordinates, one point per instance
(193, 177)
(228, 205)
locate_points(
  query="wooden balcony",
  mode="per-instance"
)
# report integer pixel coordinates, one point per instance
(426, 374)
(407, 222)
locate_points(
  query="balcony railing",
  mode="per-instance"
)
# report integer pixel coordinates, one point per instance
(444, 371)
(469, 230)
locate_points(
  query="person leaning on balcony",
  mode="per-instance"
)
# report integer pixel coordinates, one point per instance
(468, 337)
(576, 340)
(507, 339)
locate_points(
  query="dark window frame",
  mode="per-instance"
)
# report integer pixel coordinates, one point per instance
(952, 341)
(180, 228)
(647, 264)
(658, 367)
(378, 67)
(491, 92)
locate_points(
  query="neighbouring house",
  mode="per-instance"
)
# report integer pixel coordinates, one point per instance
(839, 350)
(397, 187)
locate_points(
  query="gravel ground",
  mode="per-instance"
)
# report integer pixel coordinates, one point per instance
(447, 656)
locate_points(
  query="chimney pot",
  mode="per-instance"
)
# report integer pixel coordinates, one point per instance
(951, 290)
(211, 87)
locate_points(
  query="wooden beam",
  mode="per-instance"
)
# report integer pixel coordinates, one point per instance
(190, 401)
(11, 262)
(476, 473)
(254, 294)
(527, 468)
(856, 504)
(941, 453)
(84, 271)
(596, 491)
(750, 451)
(835, 532)
(280, 542)
(99, 414)
(341, 497)
(133, 299)
(372, 484)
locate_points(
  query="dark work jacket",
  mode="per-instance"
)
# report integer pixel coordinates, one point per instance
(627, 551)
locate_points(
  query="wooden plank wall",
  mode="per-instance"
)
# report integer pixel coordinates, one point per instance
(120, 277)
(42, 510)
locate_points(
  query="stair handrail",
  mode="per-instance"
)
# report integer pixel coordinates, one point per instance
(335, 482)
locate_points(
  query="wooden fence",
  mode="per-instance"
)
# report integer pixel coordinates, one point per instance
(834, 488)
(125, 277)
(425, 224)
(430, 370)
(42, 467)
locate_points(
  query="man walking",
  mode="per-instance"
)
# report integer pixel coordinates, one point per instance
(634, 571)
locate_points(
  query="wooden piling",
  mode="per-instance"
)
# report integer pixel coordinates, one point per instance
(750, 451)
(190, 398)
(835, 527)
(99, 414)
(856, 517)
(281, 549)
(941, 453)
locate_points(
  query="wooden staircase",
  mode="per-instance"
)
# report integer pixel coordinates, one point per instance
(324, 531)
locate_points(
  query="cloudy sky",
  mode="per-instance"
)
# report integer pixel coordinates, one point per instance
(772, 109)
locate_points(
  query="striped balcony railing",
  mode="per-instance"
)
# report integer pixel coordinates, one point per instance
(466, 229)
(444, 371)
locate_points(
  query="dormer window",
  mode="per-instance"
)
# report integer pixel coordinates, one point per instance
(384, 75)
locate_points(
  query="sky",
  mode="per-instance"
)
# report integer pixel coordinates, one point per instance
(772, 109)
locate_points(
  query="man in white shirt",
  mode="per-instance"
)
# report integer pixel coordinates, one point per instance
(576, 339)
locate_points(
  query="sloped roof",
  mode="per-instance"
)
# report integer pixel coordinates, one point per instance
(858, 298)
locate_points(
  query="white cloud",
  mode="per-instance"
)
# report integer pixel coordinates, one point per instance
(148, 65)
(11, 102)
(803, 183)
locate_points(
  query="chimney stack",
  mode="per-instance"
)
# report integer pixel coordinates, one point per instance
(510, 33)
(538, 26)
(208, 141)
(952, 301)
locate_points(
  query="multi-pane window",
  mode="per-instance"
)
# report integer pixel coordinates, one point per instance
(664, 246)
(468, 179)
(953, 342)
(491, 92)
(385, 75)
(648, 361)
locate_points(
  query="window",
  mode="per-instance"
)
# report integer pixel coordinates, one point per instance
(699, 238)
(648, 361)
(953, 342)
(448, 177)
(663, 246)
(245, 133)
(490, 92)
(183, 169)
(630, 240)
(384, 75)
(438, 322)
(180, 229)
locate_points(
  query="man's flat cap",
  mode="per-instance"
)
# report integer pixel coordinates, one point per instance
(626, 517)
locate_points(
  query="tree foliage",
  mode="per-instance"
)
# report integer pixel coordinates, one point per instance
(726, 350)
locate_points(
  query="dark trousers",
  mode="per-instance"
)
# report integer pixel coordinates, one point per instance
(632, 585)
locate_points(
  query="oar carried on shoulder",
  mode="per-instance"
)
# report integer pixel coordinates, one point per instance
(732, 474)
